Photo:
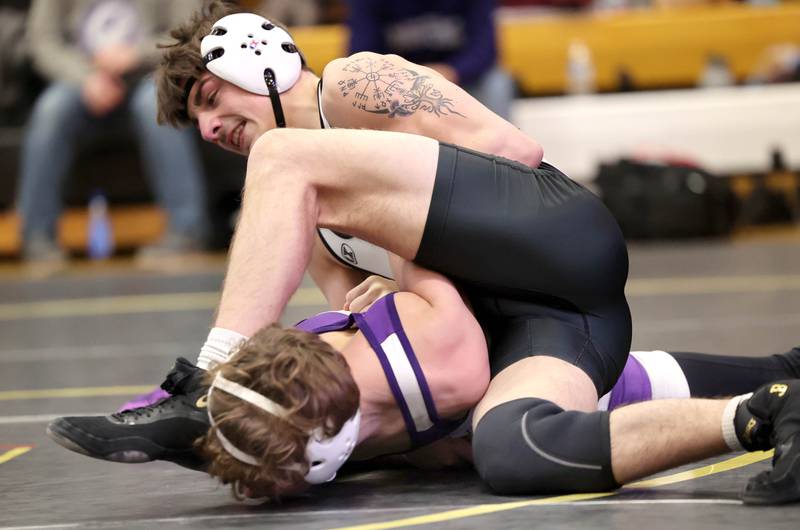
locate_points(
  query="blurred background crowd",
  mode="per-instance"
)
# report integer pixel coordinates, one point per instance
(683, 114)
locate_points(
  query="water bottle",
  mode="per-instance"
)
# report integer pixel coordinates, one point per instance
(716, 73)
(580, 69)
(100, 239)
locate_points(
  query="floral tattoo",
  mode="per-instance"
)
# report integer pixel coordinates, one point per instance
(380, 87)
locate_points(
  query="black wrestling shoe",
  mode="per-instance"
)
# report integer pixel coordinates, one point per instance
(165, 430)
(791, 361)
(781, 484)
(776, 407)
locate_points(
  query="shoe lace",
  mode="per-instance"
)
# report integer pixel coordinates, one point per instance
(175, 383)
(145, 411)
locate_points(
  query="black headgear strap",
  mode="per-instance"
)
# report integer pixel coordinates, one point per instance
(187, 87)
(272, 88)
(274, 97)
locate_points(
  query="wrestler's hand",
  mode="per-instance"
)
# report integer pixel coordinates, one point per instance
(445, 453)
(102, 93)
(363, 295)
(117, 60)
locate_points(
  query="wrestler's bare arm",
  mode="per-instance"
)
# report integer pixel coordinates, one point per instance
(447, 453)
(386, 92)
(434, 288)
(447, 335)
(362, 296)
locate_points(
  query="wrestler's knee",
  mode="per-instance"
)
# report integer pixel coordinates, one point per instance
(274, 157)
(529, 446)
(279, 146)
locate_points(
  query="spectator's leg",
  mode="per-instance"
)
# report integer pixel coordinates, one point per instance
(495, 89)
(172, 161)
(278, 10)
(306, 12)
(57, 121)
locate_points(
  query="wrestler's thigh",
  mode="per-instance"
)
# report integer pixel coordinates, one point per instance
(375, 185)
(542, 377)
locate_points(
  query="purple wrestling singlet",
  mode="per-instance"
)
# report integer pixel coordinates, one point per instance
(382, 328)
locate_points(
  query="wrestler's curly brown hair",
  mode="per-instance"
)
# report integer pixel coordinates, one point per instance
(300, 372)
(181, 61)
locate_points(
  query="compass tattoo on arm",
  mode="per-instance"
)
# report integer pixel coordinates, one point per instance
(381, 87)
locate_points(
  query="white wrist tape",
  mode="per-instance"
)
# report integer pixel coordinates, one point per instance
(218, 347)
(728, 425)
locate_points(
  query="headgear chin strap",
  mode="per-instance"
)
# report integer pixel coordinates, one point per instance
(324, 455)
(254, 54)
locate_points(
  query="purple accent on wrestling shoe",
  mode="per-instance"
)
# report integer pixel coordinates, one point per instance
(327, 321)
(154, 396)
(632, 386)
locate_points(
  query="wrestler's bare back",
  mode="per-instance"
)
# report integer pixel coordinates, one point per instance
(448, 343)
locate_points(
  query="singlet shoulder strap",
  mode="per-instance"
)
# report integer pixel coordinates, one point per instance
(323, 121)
(356, 253)
(327, 321)
(383, 330)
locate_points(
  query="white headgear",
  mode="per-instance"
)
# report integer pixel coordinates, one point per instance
(324, 455)
(253, 53)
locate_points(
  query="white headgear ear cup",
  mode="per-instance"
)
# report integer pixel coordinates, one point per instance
(242, 46)
(326, 455)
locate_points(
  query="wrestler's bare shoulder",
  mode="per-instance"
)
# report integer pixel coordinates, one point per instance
(386, 92)
(371, 90)
(450, 345)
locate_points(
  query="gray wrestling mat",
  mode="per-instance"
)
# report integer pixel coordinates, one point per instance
(85, 340)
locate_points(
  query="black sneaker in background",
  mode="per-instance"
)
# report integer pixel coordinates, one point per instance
(778, 406)
(781, 484)
(165, 430)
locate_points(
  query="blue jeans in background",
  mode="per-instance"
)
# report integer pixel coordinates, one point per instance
(60, 122)
(495, 89)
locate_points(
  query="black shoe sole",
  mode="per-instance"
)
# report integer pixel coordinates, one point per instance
(68, 437)
(63, 434)
(770, 497)
(765, 489)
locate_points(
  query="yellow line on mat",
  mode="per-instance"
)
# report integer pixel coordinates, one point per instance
(142, 303)
(13, 453)
(97, 391)
(485, 509)
(713, 285)
(472, 511)
(311, 296)
(711, 469)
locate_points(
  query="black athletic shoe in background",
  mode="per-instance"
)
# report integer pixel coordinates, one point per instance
(781, 484)
(777, 405)
(163, 431)
(791, 361)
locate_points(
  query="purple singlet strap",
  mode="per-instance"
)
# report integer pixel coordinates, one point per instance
(378, 325)
(632, 386)
(327, 321)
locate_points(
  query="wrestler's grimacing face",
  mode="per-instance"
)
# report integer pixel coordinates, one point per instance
(229, 116)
